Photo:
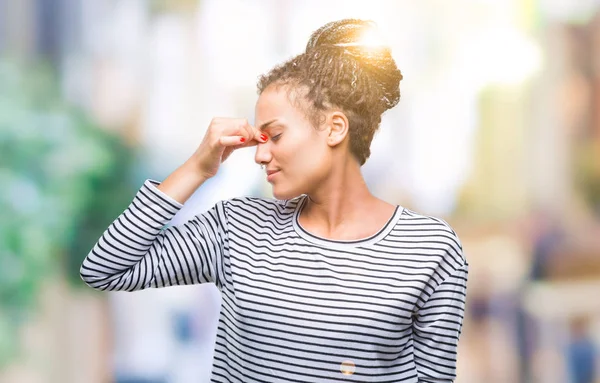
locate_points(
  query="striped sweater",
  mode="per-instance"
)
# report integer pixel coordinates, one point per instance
(297, 307)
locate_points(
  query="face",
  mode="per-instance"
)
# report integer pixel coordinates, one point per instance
(297, 156)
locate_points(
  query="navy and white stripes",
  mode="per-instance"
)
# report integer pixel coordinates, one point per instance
(296, 307)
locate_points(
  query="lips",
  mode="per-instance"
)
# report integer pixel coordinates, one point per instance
(271, 174)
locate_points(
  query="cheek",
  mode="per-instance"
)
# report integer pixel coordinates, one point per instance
(312, 161)
(302, 152)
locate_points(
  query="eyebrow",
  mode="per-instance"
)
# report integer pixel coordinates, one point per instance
(266, 124)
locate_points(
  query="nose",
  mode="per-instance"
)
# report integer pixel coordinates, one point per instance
(263, 153)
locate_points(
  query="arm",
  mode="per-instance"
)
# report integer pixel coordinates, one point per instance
(135, 252)
(437, 327)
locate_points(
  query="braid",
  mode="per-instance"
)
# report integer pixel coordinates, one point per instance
(337, 71)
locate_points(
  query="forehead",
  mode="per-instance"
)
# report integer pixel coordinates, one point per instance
(277, 102)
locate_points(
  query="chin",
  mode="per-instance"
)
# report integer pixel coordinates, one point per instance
(283, 194)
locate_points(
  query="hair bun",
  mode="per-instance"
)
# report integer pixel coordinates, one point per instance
(376, 60)
(339, 32)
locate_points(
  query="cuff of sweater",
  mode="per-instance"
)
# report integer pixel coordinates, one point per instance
(160, 203)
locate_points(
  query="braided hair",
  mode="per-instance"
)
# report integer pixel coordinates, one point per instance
(338, 70)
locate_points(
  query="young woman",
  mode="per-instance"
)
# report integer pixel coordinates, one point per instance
(325, 282)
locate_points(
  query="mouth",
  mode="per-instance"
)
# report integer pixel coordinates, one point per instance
(271, 174)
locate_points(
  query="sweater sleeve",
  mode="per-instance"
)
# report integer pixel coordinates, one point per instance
(137, 251)
(437, 327)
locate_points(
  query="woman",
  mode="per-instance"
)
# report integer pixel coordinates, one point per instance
(326, 282)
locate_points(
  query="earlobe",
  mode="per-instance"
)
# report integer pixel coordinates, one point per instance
(338, 128)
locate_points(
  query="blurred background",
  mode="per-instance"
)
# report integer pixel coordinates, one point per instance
(497, 131)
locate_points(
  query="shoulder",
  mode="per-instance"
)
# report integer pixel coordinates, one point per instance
(434, 229)
(261, 206)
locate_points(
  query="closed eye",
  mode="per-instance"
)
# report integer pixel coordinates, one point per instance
(276, 137)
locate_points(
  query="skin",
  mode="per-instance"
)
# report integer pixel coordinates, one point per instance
(316, 162)
(308, 160)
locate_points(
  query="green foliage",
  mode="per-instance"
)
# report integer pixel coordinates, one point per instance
(63, 180)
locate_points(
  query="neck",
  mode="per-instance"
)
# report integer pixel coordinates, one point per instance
(343, 198)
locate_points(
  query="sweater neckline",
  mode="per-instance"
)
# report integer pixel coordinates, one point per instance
(379, 235)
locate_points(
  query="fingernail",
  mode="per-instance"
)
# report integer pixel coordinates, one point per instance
(242, 139)
(263, 137)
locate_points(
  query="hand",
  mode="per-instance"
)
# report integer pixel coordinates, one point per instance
(224, 135)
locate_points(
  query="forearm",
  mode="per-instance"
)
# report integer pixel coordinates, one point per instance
(128, 253)
(183, 182)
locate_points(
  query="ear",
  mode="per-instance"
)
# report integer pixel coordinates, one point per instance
(338, 128)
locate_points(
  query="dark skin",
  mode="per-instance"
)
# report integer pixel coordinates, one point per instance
(317, 162)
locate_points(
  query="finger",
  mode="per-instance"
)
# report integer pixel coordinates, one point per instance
(249, 143)
(232, 140)
(256, 134)
(234, 127)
